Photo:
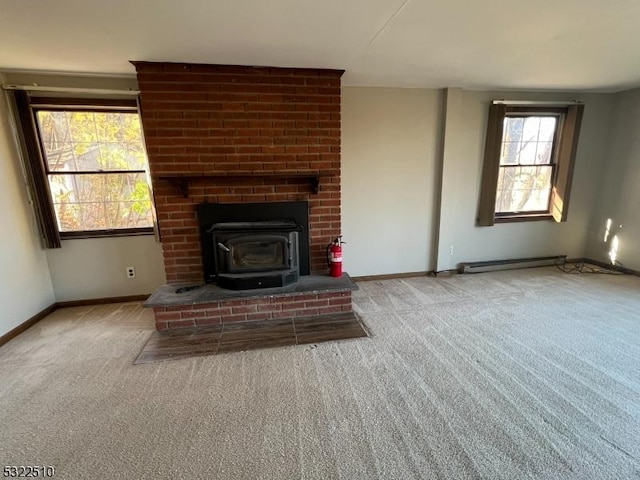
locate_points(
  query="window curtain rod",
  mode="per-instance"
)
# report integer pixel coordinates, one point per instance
(93, 91)
(533, 102)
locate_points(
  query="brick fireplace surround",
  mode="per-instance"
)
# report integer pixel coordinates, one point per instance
(239, 134)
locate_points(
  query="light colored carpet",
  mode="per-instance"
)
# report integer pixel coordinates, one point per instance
(507, 375)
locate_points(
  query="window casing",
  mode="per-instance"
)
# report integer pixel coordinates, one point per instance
(528, 164)
(90, 157)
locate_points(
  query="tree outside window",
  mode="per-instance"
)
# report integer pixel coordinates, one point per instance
(95, 164)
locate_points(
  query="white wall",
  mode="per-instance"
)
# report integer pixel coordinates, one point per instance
(390, 146)
(466, 119)
(96, 267)
(619, 198)
(25, 284)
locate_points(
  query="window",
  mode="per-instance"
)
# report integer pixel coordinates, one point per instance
(528, 165)
(92, 159)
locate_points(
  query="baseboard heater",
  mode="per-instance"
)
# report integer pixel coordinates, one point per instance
(511, 264)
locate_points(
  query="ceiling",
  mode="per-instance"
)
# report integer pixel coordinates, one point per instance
(587, 45)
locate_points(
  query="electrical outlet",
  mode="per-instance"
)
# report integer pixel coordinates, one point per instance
(451, 250)
(131, 272)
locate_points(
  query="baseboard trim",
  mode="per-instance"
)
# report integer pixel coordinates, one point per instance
(102, 301)
(575, 260)
(390, 276)
(615, 268)
(446, 273)
(13, 333)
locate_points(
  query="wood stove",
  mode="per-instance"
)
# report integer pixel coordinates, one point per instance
(256, 254)
(247, 246)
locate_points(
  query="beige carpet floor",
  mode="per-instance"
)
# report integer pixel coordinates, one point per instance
(529, 374)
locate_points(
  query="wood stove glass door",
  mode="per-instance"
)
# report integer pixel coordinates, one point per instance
(257, 253)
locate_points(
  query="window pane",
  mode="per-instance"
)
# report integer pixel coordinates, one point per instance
(527, 153)
(528, 140)
(511, 138)
(543, 153)
(547, 129)
(101, 201)
(523, 189)
(91, 141)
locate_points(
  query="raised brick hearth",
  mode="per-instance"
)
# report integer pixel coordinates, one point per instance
(236, 134)
(211, 305)
(243, 310)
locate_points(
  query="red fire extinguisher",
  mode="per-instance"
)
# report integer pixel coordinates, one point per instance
(334, 257)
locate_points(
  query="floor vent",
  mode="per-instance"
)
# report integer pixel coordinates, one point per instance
(494, 265)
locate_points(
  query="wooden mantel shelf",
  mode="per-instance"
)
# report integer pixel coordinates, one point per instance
(182, 181)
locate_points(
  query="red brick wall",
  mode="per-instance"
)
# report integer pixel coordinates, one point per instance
(256, 309)
(220, 119)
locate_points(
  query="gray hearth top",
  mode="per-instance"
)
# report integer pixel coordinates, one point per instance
(167, 296)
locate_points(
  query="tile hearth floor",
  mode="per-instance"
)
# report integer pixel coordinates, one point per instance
(235, 337)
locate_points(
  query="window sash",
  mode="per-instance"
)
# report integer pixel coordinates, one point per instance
(95, 201)
(72, 143)
(93, 172)
(114, 232)
(66, 103)
(530, 212)
(554, 141)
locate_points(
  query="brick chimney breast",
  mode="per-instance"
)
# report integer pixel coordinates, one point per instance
(239, 134)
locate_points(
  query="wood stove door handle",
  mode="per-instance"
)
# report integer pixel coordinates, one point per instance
(224, 247)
